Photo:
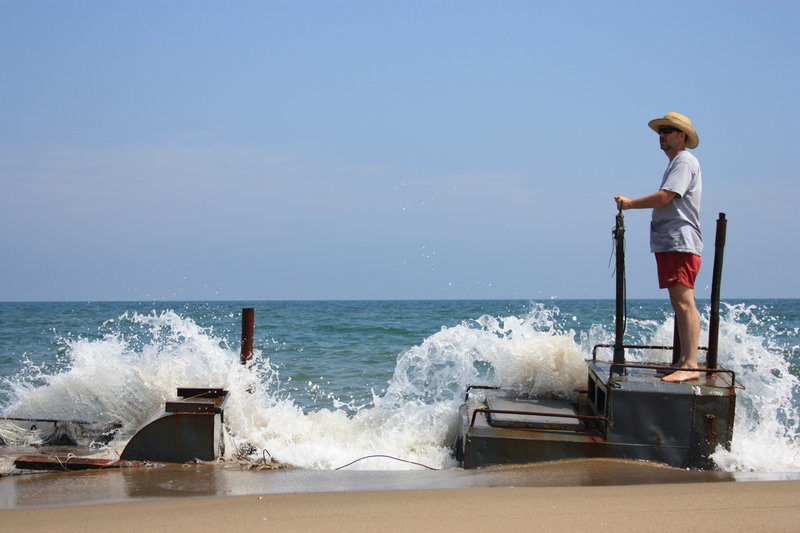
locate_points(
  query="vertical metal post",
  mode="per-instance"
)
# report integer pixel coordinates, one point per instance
(619, 237)
(248, 326)
(713, 321)
(676, 343)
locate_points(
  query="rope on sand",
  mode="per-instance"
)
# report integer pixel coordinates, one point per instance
(387, 457)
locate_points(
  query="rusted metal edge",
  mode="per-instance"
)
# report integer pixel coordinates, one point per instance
(635, 347)
(481, 387)
(218, 396)
(707, 371)
(197, 400)
(191, 407)
(195, 392)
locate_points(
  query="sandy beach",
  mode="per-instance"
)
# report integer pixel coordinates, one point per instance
(722, 506)
(560, 496)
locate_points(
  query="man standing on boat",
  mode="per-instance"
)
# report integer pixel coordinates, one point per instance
(675, 237)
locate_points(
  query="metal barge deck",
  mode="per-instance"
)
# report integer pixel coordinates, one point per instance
(625, 412)
(623, 416)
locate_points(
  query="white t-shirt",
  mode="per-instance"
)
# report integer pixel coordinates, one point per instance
(675, 227)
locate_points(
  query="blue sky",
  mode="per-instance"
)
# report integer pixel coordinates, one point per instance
(156, 150)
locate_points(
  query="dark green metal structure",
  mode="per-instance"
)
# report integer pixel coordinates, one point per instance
(625, 412)
(189, 429)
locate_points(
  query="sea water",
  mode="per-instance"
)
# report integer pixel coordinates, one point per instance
(333, 382)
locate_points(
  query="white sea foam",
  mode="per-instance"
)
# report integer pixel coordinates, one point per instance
(124, 379)
(766, 434)
(416, 418)
(119, 381)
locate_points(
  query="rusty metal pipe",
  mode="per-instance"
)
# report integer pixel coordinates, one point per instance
(667, 368)
(676, 343)
(713, 322)
(248, 326)
(619, 237)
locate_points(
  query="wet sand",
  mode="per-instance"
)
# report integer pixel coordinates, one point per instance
(232, 479)
(698, 507)
(563, 496)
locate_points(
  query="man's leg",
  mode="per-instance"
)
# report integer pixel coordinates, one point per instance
(688, 323)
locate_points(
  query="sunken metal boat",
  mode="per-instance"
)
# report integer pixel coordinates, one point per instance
(626, 411)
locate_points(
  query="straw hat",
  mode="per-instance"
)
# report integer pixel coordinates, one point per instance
(676, 120)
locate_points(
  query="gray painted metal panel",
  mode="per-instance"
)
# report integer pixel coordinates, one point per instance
(176, 438)
(559, 407)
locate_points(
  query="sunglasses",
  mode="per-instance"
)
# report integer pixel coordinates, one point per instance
(667, 129)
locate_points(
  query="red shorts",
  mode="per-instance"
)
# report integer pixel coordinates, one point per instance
(677, 267)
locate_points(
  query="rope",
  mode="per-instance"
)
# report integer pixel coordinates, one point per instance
(63, 465)
(386, 457)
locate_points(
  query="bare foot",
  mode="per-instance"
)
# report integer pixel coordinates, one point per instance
(680, 376)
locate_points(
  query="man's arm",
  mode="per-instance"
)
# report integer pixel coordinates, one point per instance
(657, 199)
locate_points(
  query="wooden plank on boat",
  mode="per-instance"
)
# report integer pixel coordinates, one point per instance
(541, 414)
